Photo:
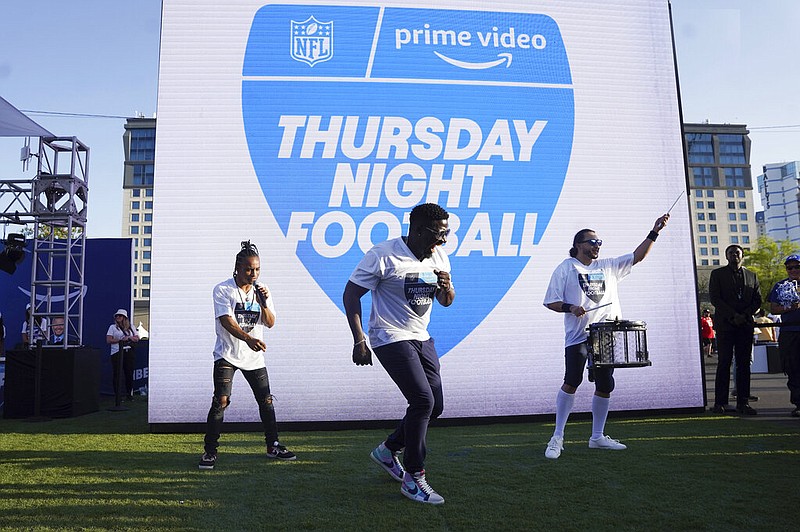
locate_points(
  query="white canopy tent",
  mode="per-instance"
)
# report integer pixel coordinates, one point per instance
(13, 123)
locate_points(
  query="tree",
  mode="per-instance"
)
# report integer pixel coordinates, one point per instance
(59, 231)
(766, 261)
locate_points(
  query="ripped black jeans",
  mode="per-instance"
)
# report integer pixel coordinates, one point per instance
(223, 384)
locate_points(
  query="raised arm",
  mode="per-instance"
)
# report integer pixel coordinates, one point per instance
(644, 248)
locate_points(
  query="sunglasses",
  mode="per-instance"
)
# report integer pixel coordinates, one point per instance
(592, 242)
(440, 235)
(795, 267)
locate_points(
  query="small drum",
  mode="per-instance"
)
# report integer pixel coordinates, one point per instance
(618, 344)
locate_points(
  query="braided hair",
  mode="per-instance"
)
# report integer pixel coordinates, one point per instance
(248, 250)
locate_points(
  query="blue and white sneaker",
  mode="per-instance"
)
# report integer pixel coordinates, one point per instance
(416, 488)
(388, 460)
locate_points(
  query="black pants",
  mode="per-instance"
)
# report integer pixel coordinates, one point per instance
(128, 359)
(223, 384)
(789, 349)
(414, 367)
(737, 343)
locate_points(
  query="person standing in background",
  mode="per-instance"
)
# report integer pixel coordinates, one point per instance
(56, 331)
(735, 293)
(765, 334)
(785, 302)
(707, 332)
(39, 331)
(122, 339)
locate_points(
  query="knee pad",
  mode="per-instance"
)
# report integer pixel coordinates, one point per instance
(606, 386)
(576, 380)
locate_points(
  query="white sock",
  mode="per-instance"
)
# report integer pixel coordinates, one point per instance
(564, 402)
(599, 415)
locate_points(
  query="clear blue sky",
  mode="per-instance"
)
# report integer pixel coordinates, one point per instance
(97, 57)
(737, 64)
(736, 61)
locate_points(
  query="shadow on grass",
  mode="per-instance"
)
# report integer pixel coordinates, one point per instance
(680, 472)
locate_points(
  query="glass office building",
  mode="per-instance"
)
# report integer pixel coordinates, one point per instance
(139, 141)
(721, 188)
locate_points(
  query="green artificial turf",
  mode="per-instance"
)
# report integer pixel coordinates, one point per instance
(680, 472)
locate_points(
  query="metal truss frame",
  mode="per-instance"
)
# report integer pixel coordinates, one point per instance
(56, 203)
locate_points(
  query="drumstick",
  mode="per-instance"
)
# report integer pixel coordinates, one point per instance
(676, 201)
(601, 306)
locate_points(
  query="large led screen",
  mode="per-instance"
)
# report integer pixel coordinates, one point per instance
(313, 129)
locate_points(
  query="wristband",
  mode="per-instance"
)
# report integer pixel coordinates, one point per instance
(565, 307)
(652, 235)
(360, 342)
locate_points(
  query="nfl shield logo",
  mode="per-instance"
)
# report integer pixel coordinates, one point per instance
(312, 41)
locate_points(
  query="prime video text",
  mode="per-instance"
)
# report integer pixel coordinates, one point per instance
(490, 39)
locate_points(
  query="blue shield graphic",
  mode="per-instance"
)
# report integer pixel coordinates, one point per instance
(470, 110)
(311, 41)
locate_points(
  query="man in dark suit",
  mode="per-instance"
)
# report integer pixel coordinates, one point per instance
(736, 296)
(57, 331)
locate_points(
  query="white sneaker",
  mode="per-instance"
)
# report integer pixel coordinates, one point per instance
(554, 448)
(606, 442)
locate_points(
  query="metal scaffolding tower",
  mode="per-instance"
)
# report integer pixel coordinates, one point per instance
(55, 201)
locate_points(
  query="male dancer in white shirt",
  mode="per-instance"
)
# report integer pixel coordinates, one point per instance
(405, 275)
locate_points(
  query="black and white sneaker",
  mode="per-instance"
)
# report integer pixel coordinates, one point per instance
(277, 451)
(207, 461)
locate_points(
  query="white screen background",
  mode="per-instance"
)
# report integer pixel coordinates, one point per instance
(626, 169)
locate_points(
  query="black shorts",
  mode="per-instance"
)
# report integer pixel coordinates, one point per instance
(575, 357)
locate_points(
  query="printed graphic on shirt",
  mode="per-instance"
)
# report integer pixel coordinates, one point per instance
(786, 293)
(247, 318)
(419, 289)
(593, 285)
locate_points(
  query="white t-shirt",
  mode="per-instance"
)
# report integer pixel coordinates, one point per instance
(243, 307)
(39, 331)
(588, 286)
(117, 334)
(402, 290)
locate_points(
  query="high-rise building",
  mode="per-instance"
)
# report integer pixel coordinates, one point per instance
(139, 141)
(761, 224)
(721, 187)
(780, 195)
